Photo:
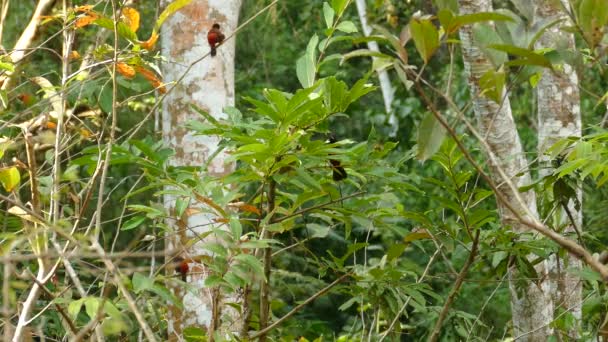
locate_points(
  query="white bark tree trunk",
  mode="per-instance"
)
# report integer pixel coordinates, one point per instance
(559, 116)
(388, 92)
(531, 303)
(210, 86)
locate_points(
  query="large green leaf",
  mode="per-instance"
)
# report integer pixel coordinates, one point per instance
(305, 66)
(328, 14)
(425, 36)
(430, 137)
(484, 36)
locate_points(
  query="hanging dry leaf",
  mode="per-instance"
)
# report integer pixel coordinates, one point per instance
(130, 17)
(125, 70)
(74, 55)
(85, 20)
(151, 42)
(152, 78)
(85, 9)
(242, 206)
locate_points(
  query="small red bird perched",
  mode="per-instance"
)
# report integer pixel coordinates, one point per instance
(215, 37)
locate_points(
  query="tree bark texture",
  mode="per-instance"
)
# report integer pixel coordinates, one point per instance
(209, 84)
(531, 303)
(559, 116)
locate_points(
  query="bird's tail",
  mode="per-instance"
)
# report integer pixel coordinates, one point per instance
(213, 51)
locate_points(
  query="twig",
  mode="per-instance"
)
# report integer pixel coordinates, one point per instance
(267, 261)
(404, 306)
(461, 276)
(26, 38)
(299, 307)
(305, 210)
(62, 312)
(115, 273)
(569, 245)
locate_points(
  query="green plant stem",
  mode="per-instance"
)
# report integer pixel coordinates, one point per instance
(299, 307)
(457, 285)
(571, 246)
(267, 261)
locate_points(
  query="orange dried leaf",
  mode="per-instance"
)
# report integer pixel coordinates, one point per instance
(125, 70)
(245, 207)
(208, 201)
(74, 55)
(192, 211)
(85, 9)
(85, 20)
(221, 220)
(130, 17)
(151, 42)
(152, 78)
(85, 133)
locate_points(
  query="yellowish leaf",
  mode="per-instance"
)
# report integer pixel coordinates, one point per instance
(85, 9)
(130, 17)
(10, 178)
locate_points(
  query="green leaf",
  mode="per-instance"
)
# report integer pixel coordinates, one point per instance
(105, 98)
(169, 10)
(328, 14)
(181, 204)
(7, 66)
(74, 307)
(395, 251)
(484, 36)
(430, 137)
(305, 66)
(91, 305)
(362, 53)
(206, 115)
(5, 143)
(194, 334)
(593, 17)
(10, 178)
(254, 263)
(141, 282)
(468, 19)
(236, 228)
(528, 57)
(339, 6)
(417, 235)
(347, 27)
(425, 36)
(498, 257)
(133, 222)
(492, 85)
(3, 100)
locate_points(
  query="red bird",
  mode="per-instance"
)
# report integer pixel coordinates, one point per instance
(215, 37)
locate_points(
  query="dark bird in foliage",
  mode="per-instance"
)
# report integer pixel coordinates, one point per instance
(338, 172)
(215, 37)
(182, 268)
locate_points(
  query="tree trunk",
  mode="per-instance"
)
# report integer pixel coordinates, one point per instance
(209, 84)
(531, 304)
(388, 92)
(559, 116)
